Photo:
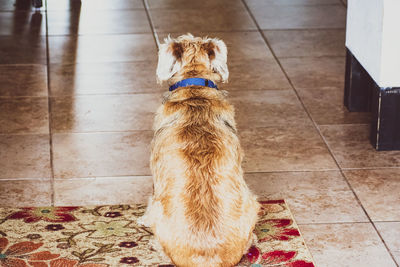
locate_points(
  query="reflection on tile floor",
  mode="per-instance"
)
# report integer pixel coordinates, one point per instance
(23, 80)
(306, 43)
(284, 148)
(76, 112)
(315, 72)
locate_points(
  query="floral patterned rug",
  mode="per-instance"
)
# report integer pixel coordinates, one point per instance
(109, 236)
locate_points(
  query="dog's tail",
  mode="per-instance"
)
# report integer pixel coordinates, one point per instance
(225, 255)
(204, 260)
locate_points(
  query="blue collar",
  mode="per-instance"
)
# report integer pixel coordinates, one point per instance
(193, 81)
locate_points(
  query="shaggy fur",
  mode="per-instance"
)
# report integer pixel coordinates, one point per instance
(201, 211)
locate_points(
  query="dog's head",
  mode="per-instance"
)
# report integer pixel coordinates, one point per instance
(188, 57)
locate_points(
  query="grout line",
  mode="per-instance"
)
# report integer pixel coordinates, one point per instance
(141, 175)
(21, 64)
(22, 96)
(76, 178)
(25, 179)
(290, 171)
(370, 168)
(133, 176)
(155, 35)
(345, 124)
(152, 91)
(105, 132)
(151, 130)
(240, 128)
(303, 29)
(389, 221)
(329, 223)
(32, 10)
(155, 60)
(22, 134)
(321, 136)
(183, 9)
(49, 107)
(313, 57)
(143, 33)
(103, 62)
(69, 10)
(99, 34)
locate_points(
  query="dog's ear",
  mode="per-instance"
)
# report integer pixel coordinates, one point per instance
(169, 59)
(217, 53)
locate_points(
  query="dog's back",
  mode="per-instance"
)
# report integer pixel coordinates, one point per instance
(206, 211)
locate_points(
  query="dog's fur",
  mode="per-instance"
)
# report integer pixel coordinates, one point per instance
(201, 211)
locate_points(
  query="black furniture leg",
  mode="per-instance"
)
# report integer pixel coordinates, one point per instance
(357, 88)
(362, 93)
(385, 125)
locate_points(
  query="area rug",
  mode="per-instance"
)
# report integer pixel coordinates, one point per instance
(109, 236)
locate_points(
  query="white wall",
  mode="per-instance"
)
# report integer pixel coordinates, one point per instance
(390, 59)
(373, 36)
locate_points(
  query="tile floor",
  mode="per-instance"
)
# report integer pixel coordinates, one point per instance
(78, 92)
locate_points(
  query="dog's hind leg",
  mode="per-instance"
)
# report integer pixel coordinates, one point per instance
(153, 213)
(155, 244)
(146, 219)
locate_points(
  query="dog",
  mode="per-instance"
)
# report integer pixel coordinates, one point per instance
(201, 212)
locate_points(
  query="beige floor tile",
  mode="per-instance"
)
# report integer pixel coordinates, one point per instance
(305, 43)
(22, 23)
(241, 45)
(244, 45)
(326, 107)
(255, 74)
(352, 149)
(24, 115)
(222, 19)
(267, 3)
(185, 4)
(299, 17)
(104, 112)
(390, 232)
(23, 49)
(313, 197)
(262, 108)
(284, 149)
(98, 22)
(101, 154)
(25, 193)
(103, 191)
(103, 78)
(315, 72)
(346, 245)
(90, 5)
(23, 80)
(378, 191)
(102, 48)
(24, 156)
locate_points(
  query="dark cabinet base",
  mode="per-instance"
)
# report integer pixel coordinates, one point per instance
(361, 93)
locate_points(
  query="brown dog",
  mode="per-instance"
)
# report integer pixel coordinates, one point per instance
(202, 212)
